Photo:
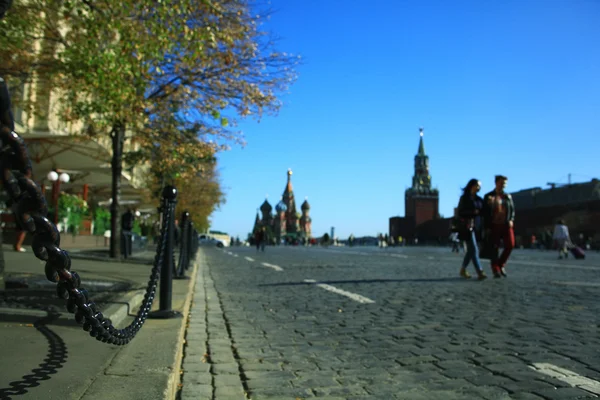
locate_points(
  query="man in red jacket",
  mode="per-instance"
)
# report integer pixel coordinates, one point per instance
(499, 217)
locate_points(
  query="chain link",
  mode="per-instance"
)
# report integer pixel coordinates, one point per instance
(31, 209)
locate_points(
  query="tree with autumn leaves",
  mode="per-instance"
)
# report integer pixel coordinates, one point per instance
(177, 74)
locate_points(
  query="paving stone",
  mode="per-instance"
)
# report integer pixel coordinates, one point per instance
(526, 386)
(487, 392)
(280, 393)
(229, 392)
(226, 380)
(341, 391)
(225, 369)
(564, 393)
(195, 391)
(310, 382)
(416, 360)
(489, 380)
(525, 396)
(258, 375)
(257, 366)
(196, 367)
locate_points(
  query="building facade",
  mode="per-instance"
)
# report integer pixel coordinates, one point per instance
(285, 223)
(537, 211)
(421, 200)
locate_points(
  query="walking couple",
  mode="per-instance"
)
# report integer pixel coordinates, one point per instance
(489, 220)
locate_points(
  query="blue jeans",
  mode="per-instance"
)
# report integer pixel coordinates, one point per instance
(472, 253)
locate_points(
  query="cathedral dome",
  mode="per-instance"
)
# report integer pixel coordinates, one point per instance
(266, 207)
(281, 207)
(305, 205)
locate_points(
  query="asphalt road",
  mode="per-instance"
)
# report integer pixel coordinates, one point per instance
(368, 323)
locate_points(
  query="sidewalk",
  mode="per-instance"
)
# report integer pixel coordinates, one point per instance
(47, 355)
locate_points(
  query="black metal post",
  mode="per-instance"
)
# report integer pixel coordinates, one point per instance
(190, 248)
(166, 273)
(184, 245)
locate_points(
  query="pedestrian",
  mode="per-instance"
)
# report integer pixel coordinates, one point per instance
(127, 220)
(454, 239)
(562, 239)
(19, 231)
(156, 231)
(20, 238)
(261, 237)
(499, 216)
(470, 208)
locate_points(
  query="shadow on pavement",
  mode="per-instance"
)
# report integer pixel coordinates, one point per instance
(55, 359)
(138, 257)
(424, 280)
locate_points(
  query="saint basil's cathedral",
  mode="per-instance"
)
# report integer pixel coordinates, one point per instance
(286, 223)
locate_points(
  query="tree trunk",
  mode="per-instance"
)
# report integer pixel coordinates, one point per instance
(118, 138)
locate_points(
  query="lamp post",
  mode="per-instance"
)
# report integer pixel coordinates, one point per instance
(56, 179)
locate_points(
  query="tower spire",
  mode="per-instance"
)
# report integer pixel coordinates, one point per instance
(421, 151)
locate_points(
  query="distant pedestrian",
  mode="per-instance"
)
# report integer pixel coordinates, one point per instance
(470, 208)
(127, 221)
(20, 237)
(454, 239)
(499, 216)
(20, 232)
(562, 239)
(261, 238)
(156, 231)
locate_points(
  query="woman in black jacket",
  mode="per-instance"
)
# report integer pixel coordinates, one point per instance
(469, 212)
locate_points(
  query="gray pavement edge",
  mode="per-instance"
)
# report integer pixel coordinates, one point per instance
(174, 381)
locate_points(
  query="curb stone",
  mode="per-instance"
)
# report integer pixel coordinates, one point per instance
(172, 390)
(208, 346)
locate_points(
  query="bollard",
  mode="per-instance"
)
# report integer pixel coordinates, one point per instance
(190, 250)
(184, 245)
(166, 273)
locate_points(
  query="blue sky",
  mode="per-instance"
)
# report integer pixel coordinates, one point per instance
(510, 87)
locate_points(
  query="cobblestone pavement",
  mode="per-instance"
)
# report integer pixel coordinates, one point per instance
(368, 323)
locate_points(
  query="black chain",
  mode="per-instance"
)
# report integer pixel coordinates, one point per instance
(31, 209)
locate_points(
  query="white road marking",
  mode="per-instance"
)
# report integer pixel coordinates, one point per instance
(567, 376)
(235, 255)
(275, 267)
(399, 255)
(353, 296)
(249, 259)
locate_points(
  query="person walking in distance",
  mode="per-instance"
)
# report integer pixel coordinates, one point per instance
(261, 237)
(562, 238)
(454, 238)
(499, 217)
(470, 208)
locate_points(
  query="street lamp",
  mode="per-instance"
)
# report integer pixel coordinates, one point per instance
(56, 179)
